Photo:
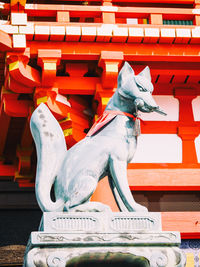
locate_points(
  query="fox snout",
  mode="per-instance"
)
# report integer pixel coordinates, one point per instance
(141, 105)
(145, 106)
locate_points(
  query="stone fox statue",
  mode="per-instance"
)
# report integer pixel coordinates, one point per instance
(107, 149)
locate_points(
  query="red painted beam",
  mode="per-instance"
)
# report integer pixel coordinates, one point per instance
(25, 183)
(77, 85)
(164, 179)
(7, 170)
(17, 108)
(51, 10)
(88, 85)
(80, 10)
(132, 52)
(179, 12)
(14, 107)
(188, 223)
(151, 166)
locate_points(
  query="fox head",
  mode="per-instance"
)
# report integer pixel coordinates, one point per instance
(137, 88)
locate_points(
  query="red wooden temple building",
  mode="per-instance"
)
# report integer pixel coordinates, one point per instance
(60, 52)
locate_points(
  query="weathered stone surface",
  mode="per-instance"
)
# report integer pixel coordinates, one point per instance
(76, 239)
(111, 239)
(155, 256)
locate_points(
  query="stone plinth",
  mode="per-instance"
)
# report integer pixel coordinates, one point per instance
(69, 239)
(97, 222)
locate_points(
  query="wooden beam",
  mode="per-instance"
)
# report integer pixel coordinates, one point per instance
(132, 52)
(51, 10)
(87, 86)
(76, 85)
(188, 223)
(80, 10)
(164, 179)
(164, 127)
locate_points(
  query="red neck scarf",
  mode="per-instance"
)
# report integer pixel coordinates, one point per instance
(105, 118)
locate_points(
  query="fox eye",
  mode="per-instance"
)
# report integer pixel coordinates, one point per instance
(142, 89)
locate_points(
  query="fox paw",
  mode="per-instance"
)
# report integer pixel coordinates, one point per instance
(139, 208)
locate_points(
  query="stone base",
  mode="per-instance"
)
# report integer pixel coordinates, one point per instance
(149, 256)
(99, 238)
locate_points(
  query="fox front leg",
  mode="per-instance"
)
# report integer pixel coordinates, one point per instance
(120, 187)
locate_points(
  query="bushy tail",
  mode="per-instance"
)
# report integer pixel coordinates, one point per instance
(51, 148)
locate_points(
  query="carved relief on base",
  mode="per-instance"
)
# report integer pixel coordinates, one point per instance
(147, 256)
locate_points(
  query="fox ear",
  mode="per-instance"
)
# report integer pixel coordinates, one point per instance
(146, 73)
(125, 71)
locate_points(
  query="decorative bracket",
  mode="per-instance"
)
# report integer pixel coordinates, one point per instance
(48, 59)
(22, 77)
(110, 62)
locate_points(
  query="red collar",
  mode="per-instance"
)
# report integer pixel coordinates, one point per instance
(117, 112)
(105, 118)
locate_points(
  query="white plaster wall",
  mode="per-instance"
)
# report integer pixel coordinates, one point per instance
(158, 148)
(196, 108)
(197, 146)
(168, 104)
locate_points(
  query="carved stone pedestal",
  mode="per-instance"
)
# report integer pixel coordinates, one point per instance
(101, 239)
